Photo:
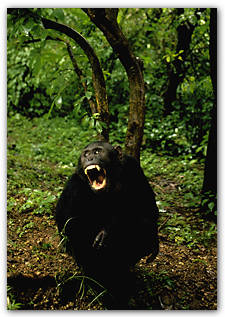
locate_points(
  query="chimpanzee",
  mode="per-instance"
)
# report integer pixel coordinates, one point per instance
(109, 214)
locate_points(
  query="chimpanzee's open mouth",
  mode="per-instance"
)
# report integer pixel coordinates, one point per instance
(96, 176)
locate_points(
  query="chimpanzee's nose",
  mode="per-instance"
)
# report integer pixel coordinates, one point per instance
(90, 157)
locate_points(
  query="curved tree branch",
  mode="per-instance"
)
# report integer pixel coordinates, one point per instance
(106, 21)
(76, 68)
(97, 75)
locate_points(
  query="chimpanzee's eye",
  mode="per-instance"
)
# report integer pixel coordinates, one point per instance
(97, 151)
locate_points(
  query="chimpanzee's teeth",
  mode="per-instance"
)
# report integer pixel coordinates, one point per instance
(90, 167)
(96, 176)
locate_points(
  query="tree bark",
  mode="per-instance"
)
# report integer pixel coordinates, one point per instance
(97, 75)
(176, 70)
(106, 21)
(210, 173)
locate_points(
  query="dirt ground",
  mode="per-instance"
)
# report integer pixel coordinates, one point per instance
(179, 278)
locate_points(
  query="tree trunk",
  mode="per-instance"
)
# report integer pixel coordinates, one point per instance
(176, 70)
(210, 173)
(106, 21)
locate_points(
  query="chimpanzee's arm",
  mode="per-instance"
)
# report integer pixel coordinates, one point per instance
(69, 206)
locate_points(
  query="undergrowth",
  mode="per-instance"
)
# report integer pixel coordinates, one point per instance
(43, 154)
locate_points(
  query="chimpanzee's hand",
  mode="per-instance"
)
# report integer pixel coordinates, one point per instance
(100, 240)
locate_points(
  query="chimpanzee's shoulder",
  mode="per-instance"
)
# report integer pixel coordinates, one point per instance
(74, 184)
(128, 160)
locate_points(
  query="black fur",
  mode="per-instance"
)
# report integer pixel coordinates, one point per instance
(112, 228)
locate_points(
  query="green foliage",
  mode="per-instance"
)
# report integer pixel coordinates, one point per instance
(41, 78)
(162, 278)
(48, 139)
(157, 31)
(93, 122)
(43, 153)
(11, 302)
(181, 175)
(42, 83)
(178, 183)
(44, 65)
(50, 120)
(38, 201)
(46, 156)
(209, 203)
(203, 145)
(182, 230)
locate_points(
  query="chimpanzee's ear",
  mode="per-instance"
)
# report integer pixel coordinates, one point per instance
(119, 151)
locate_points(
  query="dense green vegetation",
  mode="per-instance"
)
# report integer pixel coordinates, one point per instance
(41, 76)
(50, 121)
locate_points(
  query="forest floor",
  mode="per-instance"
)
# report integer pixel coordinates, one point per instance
(179, 277)
(42, 277)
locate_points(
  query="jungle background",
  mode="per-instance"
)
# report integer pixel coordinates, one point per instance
(51, 94)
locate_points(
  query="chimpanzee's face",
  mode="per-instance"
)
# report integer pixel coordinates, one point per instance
(96, 160)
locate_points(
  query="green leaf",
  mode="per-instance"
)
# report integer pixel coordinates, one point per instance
(98, 127)
(44, 34)
(59, 14)
(211, 206)
(92, 122)
(88, 95)
(96, 115)
(85, 120)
